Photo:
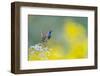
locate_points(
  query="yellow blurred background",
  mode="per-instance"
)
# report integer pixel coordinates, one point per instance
(75, 38)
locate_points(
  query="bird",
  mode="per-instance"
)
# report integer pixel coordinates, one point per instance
(46, 36)
(49, 34)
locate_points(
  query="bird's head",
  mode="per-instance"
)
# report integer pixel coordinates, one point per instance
(50, 31)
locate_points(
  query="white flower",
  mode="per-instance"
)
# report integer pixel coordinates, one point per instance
(39, 47)
(36, 47)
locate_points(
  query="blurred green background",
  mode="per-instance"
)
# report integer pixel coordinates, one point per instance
(42, 23)
(69, 39)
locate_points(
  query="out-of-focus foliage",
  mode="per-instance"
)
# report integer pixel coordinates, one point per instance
(70, 43)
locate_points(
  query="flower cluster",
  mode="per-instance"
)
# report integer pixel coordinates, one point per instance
(39, 47)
